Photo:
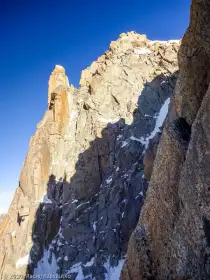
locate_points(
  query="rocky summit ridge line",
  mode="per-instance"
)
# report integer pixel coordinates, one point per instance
(84, 179)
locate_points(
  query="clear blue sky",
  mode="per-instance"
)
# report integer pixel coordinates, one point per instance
(36, 35)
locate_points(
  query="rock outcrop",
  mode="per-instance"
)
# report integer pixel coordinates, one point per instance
(172, 238)
(82, 184)
(2, 216)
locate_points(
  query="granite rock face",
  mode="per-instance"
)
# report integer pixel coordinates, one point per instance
(82, 185)
(2, 216)
(171, 240)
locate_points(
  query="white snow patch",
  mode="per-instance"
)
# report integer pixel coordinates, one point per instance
(164, 42)
(94, 226)
(140, 194)
(90, 262)
(75, 200)
(158, 41)
(109, 180)
(13, 233)
(113, 273)
(119, 137)
(59, 243)
(159, 122)
(60, 234)
(82, 204)
(142, 51)
(23, 261)
(161, 117)
(77, 268)
(117, 169)
(174, 41)
(44, 267)
(59, 66)
(46, 199)
(124, 143)
(140, 140)
(66, 258)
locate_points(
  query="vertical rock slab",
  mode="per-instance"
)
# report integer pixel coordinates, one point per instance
(171, 238)
(16, 233)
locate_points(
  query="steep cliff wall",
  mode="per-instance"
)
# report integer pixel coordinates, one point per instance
(171, 240)
(82, 184)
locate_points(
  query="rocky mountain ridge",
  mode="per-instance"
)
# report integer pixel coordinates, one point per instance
(82, 184)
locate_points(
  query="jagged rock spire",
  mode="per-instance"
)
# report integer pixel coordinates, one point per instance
(57, 79)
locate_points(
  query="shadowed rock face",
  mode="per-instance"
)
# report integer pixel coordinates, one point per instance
(171, 240)
(82, 184)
